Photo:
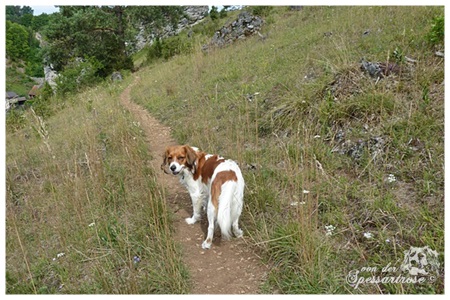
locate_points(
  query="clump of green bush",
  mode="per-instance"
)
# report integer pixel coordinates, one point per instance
(262, 11)
(436, 34)
(78, 75)
(169, 47)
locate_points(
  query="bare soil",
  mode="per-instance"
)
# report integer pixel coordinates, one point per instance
(229, 267)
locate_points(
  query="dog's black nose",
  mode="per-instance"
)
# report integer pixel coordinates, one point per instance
(173, 167)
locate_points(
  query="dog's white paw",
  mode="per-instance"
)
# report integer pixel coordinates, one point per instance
(190, 221)
(238, 233)
(206, 245)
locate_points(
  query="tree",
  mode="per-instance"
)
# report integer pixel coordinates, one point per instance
(26, 20)
(100, 32)
(223, 12)
(214, 13)
(38, 22)
(16, 13)
(87, 31)
(16, 41)
(13, 13)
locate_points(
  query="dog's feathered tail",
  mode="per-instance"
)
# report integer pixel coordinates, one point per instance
(225, 205)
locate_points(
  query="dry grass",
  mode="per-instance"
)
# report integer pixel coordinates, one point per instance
(83, 205)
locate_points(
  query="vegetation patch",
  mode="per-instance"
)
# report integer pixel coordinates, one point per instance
(343, 169)
(84, 214)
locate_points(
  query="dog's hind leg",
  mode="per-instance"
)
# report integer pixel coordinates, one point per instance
(211, 221)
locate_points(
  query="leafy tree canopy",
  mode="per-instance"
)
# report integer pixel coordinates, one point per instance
(16, 41)
(101, 32)
(19, 14)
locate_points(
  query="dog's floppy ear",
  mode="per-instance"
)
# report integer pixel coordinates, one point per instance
(191, 156)
(164, 164)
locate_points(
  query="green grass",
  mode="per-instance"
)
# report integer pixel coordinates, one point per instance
(278, 106)
(79, 183)
(18, 82)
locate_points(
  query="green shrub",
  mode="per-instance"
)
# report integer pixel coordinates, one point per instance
(176, 45)
(169, 47)
(42, 104)
(436, 34)
(155, 50)
(15, 119)
(262, 11)
(206, 28)
(78, 75)
(214, 13)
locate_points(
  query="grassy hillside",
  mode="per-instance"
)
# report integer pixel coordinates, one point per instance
(17, 81)
(83, 211)
(343, 172)
(321, 143)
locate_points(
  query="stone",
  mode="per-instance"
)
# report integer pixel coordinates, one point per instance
(244, 26)
(194, 14)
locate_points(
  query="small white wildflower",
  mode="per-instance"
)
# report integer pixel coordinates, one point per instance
(388, 241)
(60, 254)
(317, 136)
(391, 178)
(368, 235)
(92, 224)
(329, 229)
(305, 192)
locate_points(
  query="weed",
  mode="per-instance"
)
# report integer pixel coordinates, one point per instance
(436, 34)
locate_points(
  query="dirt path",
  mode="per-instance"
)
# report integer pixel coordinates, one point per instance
(228, 267)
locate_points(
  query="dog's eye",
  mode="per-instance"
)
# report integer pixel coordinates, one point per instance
(180, 157)
(170, 157)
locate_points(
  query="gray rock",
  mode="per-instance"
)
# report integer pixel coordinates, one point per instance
(50, 76)
(193, 15)
(245, 25)
(116, 76)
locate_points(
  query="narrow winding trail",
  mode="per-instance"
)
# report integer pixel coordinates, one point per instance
(229, 267)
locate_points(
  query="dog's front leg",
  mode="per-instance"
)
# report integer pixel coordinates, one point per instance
(197, 202)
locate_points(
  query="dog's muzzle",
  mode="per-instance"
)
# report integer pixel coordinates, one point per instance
(173, 168)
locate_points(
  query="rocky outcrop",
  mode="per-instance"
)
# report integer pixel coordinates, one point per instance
(192, 16)
(245, 25)
(50, 76)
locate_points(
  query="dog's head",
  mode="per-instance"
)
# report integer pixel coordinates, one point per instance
(177, 158)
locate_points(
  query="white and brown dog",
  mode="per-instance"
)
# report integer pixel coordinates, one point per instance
(209, 179)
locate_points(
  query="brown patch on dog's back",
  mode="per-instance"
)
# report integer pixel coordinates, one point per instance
(206, 167)
(209, 167)
(216, 186)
